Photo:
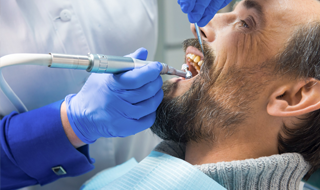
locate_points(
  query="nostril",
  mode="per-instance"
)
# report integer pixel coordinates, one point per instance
(203, 34)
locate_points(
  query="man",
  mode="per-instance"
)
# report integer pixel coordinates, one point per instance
(250, 117)
(35, 149)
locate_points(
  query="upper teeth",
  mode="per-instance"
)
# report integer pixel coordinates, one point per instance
(200, 63)
(195, 60)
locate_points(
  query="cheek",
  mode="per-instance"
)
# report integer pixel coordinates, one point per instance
(247, 47)
(243, 50)
(228, 48)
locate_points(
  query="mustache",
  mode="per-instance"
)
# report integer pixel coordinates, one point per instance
(192, 42)
(207, 50)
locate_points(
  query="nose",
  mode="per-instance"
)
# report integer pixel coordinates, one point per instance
(209, 32)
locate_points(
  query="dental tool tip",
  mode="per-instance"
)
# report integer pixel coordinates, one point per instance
(188, 75)
(185, 68)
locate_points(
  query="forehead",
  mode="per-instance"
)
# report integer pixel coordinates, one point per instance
(280, 18)
(292, 12)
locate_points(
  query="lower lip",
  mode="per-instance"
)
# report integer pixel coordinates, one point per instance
(180, 79)
(176, 79)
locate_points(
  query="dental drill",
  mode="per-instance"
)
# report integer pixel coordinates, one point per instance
(94, 63)
(97, 63)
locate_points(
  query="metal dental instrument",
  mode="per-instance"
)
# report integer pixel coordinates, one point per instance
(97, 63)
(185, 68)
(199, 36)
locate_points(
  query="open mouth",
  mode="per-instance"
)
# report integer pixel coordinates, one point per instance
(194, 59)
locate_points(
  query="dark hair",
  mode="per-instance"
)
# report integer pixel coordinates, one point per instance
(301, 60)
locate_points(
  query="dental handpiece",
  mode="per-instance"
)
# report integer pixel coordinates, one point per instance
(97, 63)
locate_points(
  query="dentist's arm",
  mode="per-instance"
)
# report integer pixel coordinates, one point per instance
(116, 105)
(35, 142)
(73, 138)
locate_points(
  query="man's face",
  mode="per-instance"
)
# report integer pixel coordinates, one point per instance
(236, 78)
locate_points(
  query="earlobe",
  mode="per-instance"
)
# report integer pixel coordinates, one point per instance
(294, 99)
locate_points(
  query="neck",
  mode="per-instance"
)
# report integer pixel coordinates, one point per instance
(229, 149)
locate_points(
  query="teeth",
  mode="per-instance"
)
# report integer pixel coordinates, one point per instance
(197, 59)
(191, 56)
(194, 58)
(200, 63)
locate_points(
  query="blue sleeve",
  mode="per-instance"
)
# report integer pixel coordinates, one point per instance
(33, 143)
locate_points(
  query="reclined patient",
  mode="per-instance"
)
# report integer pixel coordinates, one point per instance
(250, 117)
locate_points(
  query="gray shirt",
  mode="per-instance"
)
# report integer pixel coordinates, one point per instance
(281, 171)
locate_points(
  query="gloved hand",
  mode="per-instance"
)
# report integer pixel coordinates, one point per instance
(202, 11)
(116, 105)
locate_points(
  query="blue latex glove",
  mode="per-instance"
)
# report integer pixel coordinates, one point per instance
(116, 105)
(202, 11)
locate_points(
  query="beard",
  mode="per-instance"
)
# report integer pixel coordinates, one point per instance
(214, 101)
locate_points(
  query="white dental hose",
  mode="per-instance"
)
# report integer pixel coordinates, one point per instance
(95, 63)
(20, 59)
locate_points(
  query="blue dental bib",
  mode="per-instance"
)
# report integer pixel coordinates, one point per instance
(157, 171)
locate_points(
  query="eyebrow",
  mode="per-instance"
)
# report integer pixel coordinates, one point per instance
(253, 4)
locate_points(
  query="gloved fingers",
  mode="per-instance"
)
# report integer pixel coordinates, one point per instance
(143, 93)
(145, 107)
(198, 11)
(136, 126)
(141, 53)
(209, 13)
(96, 81)
(136, 78)
(187, 5)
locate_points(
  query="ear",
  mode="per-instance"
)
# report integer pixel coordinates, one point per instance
(295, 99)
